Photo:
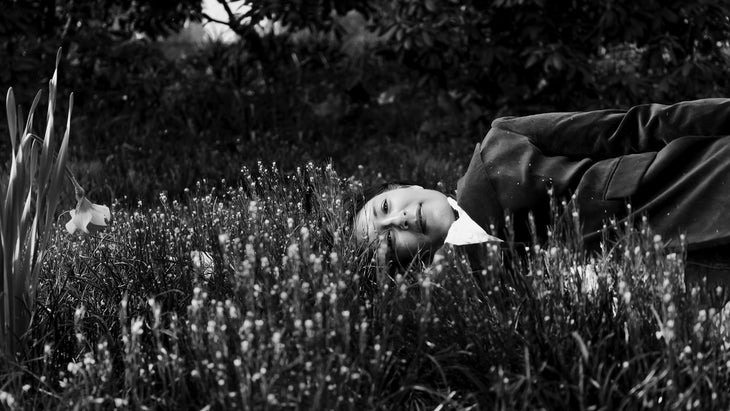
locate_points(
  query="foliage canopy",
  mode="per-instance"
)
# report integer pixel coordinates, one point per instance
(317, 76)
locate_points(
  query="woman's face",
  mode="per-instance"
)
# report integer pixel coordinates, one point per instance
(412, 220)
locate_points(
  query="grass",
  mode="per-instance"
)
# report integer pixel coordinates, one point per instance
(248, 294)
(287, 318)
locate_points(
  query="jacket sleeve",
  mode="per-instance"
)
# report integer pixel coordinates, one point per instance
(606, 134)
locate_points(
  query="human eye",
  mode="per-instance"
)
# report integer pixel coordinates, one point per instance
(385, 206)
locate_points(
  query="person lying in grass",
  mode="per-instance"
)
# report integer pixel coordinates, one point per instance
(669, 163)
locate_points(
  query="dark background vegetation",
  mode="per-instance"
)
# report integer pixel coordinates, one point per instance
(403, 88)
(397, 87)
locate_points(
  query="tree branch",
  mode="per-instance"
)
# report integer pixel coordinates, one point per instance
(209, 18)
(231, 15)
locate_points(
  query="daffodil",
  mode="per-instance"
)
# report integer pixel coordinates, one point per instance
(87, 214)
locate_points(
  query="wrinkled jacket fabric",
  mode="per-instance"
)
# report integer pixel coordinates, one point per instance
(670, 162)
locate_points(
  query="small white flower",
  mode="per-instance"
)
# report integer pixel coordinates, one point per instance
(7, 399)
(136, 328)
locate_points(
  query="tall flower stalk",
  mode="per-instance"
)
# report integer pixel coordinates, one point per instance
(27, 213)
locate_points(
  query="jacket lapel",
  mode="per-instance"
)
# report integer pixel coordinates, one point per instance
(475, 194)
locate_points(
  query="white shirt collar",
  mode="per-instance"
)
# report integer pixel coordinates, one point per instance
(465, 230)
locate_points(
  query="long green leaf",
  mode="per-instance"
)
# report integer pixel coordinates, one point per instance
(54, 190)
(46, 159)
(21, 268)
(12, 118)
(18, 303)
(26, 213)
(10, 236)
(33, 286)
(28, 228)
(31, 114)
(8, 206)
(24, 224)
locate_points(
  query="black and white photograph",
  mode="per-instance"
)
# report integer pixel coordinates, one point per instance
(364, 205)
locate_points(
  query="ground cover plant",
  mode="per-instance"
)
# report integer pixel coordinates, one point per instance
(247, 293)
(251, 297)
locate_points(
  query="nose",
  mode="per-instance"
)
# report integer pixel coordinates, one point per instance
(401, 220)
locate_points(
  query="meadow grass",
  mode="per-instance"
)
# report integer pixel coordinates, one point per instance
(252, 297)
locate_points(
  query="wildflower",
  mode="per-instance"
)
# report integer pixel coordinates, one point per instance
(73, 367)
(136, 328)
(276, 338)
(87, 214)
(702, 315)
(7, 399)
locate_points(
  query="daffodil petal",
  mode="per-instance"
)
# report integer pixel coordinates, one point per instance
(80, 219)
(100, 214)
(83, 220)
(71, 227)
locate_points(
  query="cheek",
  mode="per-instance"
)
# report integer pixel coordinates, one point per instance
(415, 243)
(442, 216)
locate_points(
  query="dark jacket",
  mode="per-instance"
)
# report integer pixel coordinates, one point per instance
(672, 163)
